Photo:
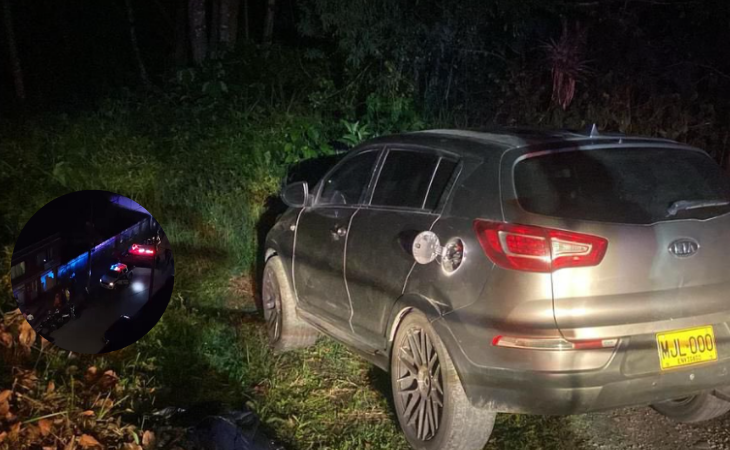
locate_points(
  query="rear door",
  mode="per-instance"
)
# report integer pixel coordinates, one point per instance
(405, 200)
(322, 232)
(662, 270)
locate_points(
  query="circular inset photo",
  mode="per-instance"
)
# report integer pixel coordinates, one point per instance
(92, 271)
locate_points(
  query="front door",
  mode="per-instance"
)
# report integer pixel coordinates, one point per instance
(321, 236)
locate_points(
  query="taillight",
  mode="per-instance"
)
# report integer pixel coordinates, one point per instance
(538, 249)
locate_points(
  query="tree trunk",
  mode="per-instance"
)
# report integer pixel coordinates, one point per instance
(135, 46)
(269, 22)
(198, 35)
(15, 66)
(215, 25)
(245, 20)
(228, 25)
(224, 18)
(181, 34)
(234, 7)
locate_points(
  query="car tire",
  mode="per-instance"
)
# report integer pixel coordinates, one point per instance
(285, 329)
(697, 408)
(456, 424)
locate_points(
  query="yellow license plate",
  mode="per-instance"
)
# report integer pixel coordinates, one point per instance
(686, 347)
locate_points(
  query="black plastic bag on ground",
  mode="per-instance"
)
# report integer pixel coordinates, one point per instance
(236, 430)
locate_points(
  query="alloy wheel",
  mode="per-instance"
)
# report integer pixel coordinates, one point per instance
(420, 384)
(272, 306)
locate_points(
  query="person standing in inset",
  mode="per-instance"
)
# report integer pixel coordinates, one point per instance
(57, 301)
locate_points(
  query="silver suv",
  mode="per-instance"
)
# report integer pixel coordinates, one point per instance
(513, 271)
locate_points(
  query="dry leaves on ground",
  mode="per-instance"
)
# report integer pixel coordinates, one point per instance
(87, 441)
(148, 440)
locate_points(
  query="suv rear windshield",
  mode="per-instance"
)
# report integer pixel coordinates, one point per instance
(623, 185)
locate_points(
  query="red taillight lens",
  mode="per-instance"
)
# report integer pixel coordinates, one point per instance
(538, 249)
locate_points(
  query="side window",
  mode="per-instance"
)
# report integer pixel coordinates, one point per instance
(405, 179)
(347, 184)
(440, 183)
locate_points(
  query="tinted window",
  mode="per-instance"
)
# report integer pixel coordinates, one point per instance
(627, 185)
(347, 184)
(404, 179)
(440, 183)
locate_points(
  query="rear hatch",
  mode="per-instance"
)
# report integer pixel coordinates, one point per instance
(664, 214)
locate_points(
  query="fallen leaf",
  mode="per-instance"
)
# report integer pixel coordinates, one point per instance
(31, 433)
(131, 446)
(5, 395)
(103, 403)
(91, 373)
(26, 378)
(51, 387)
(49, 448)
(12, 317)
(6, 339)
(44, 425)
(109, 379)
(27, 336)
(88, 413)
(4, 408)
(3, 435)
(14, 431)
(86, 441)
(148, 439)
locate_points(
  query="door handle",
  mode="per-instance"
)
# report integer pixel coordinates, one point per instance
(339, 232)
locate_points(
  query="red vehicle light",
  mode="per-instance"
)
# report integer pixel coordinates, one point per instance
(140, 250)
(538, 249)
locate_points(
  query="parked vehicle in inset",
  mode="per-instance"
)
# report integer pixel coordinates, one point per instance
(118, 275)
(140, 255)
(146, 249)
(513, 271)
(56, 319)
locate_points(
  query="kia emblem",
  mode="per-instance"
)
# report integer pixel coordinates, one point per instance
(684, 248)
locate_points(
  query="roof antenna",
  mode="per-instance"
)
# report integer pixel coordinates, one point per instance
(594, 131)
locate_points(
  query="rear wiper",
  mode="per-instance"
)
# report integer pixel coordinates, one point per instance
(684, 205)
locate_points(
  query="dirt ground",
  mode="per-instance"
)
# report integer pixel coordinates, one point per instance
(643, 428)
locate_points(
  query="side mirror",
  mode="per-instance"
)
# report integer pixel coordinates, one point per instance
(296, 195)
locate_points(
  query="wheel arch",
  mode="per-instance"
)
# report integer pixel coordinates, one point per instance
(270, 252)
(405, 305)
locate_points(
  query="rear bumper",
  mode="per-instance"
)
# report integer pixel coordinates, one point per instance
(630, 376)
